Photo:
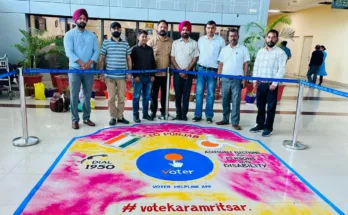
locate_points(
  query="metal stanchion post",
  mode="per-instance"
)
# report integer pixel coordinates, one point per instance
(167, 116)
(25, 140)
(294, 144)
(167, 94)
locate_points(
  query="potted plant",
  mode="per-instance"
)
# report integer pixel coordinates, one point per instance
(129, 94)
(254, 41)
(31, 47)
(250, 98)
(60, 60)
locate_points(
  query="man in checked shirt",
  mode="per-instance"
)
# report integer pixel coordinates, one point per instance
(270, 63)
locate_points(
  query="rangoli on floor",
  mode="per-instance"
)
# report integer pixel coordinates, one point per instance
(171, 169)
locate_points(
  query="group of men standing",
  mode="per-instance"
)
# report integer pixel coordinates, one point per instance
(210, 54)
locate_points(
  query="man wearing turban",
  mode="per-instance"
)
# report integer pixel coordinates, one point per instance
(184, 56)
(81, 47)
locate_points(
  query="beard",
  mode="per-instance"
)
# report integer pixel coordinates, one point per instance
(271, 44)
(116, 34)
(81, 25)
(185, 35)
(162, 33)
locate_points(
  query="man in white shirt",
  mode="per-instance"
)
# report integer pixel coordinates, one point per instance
(233, 60)
(184, 56)
(270, 63)
(209, 47)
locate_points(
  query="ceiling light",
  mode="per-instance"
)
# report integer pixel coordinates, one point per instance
(273, 11)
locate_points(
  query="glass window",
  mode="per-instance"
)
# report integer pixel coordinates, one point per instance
(151, 28)
(197, 32)
(222, 31)
(128, 31)
(93, 25)
(54, 26)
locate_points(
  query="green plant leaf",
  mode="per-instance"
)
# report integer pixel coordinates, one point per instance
(281, 20)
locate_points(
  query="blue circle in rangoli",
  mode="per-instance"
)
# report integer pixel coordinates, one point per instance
(174, 164)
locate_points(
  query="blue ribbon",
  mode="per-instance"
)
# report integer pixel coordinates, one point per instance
(326, 89)
(237, 77)
(35, 71)
(8, 74)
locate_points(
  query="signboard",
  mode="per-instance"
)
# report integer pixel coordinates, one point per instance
(148, 25)
(171, 169)
(339, 4)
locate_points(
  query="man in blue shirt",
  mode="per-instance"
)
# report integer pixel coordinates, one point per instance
(81, 47)
(209, 47)
(286, 49)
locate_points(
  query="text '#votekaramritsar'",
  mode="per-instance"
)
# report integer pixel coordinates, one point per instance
(132, 207)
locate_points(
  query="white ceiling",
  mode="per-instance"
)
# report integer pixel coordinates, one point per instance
(293, 5)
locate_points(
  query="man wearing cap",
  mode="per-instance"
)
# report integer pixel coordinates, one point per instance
(116, 53)
(184, 56)
(81, 47)
(162, 45)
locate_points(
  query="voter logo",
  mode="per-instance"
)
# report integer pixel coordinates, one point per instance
(174, 164)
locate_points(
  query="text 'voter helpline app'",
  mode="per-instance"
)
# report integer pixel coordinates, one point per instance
(174, 164)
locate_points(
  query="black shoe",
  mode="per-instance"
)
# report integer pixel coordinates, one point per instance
(222, 122)
(266, 133)
(123, 120)
(136, 119)
(256, 129)
(89, 123)
(196, 119)
(75, 125)
(178, 117)
(112, 122)
(153, 116)
(184, 118)
(147, 117)
(209, 120)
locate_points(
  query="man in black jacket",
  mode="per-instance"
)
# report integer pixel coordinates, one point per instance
(143, 59)
(314, 65)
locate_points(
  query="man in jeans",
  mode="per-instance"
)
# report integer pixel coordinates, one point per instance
(233, 60)
(81, 47)
(314, 65)
(162, 45)
(184, 57)
(270, 63)
(142, 59)
(209, 47)
(116, 52)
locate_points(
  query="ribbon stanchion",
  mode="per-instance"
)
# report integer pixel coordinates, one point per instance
(5, 75)
(25, 140)
(167, 94)
(326, 89)
(294, 144)
(283, 80)
(47, 71)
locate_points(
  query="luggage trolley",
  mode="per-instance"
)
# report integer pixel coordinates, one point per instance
(4, 67)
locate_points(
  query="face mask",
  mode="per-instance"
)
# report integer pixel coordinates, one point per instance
(81, 25)
(163, 33)
(116, 34)
(271, 44)
(185, 35)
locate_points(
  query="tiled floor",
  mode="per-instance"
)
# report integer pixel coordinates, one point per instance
(323, 164)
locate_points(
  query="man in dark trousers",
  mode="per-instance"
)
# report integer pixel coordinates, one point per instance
(270, 63)
(143, 59)
(314, 65)
(184, 56)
